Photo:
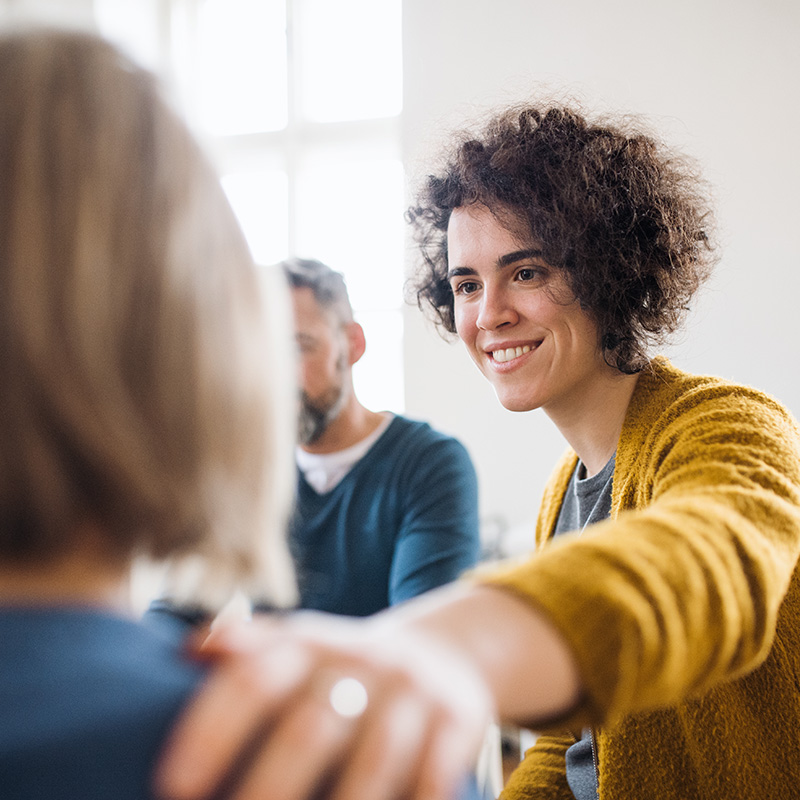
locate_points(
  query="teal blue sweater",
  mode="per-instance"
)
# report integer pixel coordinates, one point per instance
(402, 521)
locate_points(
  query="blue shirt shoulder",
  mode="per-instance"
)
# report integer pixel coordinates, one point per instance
(86, 699)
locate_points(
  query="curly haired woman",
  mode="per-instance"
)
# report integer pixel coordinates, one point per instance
(653, 636)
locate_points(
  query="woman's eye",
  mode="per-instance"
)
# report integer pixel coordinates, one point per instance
(527, 274)
(465, 287)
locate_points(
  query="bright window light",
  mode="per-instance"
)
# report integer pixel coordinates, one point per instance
(378, 376)
(273, 87)
(260, 200)
(350, 59)
(131, 26)
(240, 71)
(350, 215)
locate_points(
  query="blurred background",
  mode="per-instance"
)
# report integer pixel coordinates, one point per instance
(322, 116)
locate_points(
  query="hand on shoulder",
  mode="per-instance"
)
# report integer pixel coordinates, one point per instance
(412, 717)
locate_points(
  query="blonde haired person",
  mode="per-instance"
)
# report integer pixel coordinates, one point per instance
(145, 411)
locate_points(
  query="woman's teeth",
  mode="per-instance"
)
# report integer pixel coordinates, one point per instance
(509, 353)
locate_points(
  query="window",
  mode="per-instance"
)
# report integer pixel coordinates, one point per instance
(299, 103)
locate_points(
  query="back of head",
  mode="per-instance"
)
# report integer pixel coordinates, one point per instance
(137, 341)
(327, 285)
(627, 220)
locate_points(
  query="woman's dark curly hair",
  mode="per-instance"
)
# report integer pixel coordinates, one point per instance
(628, 222)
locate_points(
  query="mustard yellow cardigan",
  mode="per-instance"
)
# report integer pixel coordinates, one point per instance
(683, 609)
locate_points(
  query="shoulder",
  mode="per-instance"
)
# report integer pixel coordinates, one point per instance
(422, 436)
(86, 693)
(675, 418)
(96, 641)
(668, 397)
(419, 454)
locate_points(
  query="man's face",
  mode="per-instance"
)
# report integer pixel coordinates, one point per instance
(520, 322)
(324, 364)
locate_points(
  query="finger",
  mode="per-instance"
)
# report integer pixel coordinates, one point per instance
(383, 762)
(208, 738)
(238, 636)
(299, 753)
(449, 756)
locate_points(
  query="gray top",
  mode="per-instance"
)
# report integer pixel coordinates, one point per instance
(587, 500)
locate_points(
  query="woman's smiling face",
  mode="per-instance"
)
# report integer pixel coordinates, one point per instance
(517, 316)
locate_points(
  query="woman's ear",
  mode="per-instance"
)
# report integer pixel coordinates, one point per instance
(356, 343)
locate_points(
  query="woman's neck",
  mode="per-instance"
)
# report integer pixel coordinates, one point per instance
(593, 425)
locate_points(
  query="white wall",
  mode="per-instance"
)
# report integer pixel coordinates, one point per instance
(720, 79)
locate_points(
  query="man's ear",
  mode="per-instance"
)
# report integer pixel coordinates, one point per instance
(356, 343)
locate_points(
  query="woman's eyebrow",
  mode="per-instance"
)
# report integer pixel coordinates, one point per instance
(502, 262)
(457, 272)
(518, 255)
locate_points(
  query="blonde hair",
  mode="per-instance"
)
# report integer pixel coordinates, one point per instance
(145, 364)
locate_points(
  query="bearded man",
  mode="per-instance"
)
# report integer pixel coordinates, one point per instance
(387, 507)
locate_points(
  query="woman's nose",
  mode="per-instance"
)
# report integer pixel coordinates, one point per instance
(495, 311)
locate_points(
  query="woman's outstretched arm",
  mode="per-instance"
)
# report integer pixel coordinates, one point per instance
(436, 670)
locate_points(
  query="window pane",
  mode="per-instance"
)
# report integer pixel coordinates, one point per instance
(378, 376)
(350, 59)
(240, 72)
(350, 215)
(132, 26)
(260, 200)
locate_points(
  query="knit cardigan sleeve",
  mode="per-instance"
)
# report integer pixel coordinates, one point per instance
(681, 588)
(541, 775)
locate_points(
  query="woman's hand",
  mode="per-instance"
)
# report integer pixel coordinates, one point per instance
(264, 724)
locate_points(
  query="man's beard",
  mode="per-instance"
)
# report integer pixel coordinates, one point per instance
(315, 417)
